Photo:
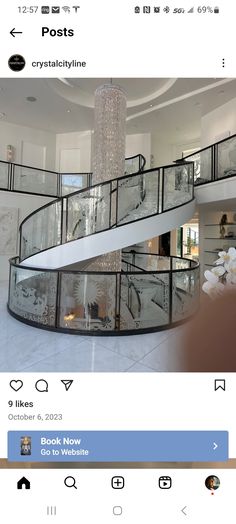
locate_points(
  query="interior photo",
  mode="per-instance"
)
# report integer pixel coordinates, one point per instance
(117, 221)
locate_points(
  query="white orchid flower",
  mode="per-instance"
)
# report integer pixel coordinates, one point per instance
(218, 271)
(213, 290)
(212, 287)
(226, 265)
(211, 277)
(231, 272)
(226, 256)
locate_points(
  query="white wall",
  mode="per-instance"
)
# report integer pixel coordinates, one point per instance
(15, 135)
(139, 144)
(135, 144)
(216, 124)
(26, 204)
(165, 153)
(79, 141)
(162, 151)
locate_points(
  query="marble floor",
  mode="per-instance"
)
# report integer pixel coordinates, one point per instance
(24, 348)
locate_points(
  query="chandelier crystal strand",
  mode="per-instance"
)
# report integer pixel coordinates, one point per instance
(109, 151)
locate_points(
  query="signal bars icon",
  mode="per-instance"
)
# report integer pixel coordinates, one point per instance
(191, 10)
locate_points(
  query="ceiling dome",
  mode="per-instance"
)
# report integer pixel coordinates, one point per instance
(81, 90)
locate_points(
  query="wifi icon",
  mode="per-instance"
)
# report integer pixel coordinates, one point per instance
(191, 10)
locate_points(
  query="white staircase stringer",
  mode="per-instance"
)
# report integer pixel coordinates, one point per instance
(107, 241)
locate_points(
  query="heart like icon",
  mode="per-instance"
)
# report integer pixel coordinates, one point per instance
(16, 384)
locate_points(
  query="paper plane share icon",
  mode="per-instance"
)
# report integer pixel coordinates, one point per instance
(67, 383)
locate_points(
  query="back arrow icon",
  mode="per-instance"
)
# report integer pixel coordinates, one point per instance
(13, 32)
(183, 511)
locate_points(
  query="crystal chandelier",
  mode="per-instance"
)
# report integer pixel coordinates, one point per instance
(109, 152)
(109, 133)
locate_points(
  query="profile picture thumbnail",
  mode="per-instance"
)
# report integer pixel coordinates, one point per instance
(25, 446)
(212, 482)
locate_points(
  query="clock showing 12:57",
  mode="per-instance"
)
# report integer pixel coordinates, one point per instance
(28, 9)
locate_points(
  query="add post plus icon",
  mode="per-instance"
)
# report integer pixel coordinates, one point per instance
(118, 482)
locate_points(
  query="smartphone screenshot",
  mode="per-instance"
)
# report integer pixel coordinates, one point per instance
(117, 261)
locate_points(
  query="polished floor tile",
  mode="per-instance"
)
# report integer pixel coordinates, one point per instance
(24, 348)
(90, 357)
(134, 346)
(167, 356)
(139, 368)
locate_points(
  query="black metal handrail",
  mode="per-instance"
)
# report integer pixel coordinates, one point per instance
(192, 263)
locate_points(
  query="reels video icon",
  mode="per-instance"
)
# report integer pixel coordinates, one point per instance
(165, 482)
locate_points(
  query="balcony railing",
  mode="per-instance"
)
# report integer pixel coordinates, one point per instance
(216, 162)
(26, 179)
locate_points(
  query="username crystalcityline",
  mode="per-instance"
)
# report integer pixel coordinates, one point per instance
(59, 63)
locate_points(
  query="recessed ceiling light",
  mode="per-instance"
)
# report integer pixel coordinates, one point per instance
(150, 105)
(2, 115)
(31, 99)
(68, 110)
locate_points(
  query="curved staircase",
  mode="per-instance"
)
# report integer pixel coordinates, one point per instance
(52, 284)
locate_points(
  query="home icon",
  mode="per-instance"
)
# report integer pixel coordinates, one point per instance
(23, 483)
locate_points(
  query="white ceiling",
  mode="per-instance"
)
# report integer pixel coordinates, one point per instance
(168, 107)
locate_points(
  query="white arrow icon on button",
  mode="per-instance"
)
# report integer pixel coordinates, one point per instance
(215, 446)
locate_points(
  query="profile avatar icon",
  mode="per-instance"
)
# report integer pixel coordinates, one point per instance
(212, 482)
(25, 446)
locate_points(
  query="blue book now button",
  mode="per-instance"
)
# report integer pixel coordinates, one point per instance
(118, 446)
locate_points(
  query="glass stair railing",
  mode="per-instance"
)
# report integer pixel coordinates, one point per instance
(106, 206)
(128, 302)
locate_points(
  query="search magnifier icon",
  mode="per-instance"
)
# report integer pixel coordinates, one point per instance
(70, 482)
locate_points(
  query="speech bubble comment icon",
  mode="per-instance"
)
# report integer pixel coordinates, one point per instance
(41, 385)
